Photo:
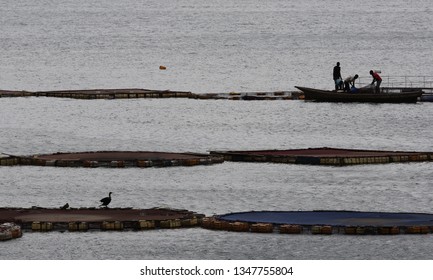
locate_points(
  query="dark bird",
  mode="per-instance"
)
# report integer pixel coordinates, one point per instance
(64, 207)
(106, 200)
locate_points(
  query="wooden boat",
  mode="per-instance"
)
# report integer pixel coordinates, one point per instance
(427, 97)
(362, 95)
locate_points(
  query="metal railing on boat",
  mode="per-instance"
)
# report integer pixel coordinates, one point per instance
(401, 83)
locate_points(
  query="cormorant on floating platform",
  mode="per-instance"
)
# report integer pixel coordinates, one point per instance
(106, 200)
(64, 207)
(94, 218)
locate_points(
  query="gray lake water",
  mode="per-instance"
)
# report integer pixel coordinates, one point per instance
(213, 46)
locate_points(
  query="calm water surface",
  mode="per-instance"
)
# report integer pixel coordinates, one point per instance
(36, 125)
(212, 46)
(209, 46)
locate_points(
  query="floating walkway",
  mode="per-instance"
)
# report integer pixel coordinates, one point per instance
(322, 222)
(84, 219)
(147, 93)
(325, 156)
(113, 159)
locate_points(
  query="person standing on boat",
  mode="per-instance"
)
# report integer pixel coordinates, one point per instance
(337, 76)
(349, 83)
(377, 79)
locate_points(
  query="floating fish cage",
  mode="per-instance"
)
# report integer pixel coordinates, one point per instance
(114, 159)
(322, 222)
(38, 219)
(325, 156)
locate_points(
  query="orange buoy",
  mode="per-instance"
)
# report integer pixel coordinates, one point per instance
(350, 230)
(174, 223)
(239, 226)
(206, 222)
(290, 229)
(262, 228)
(316, 229)
(146, 224)
(112, 225)
(386, 230)
(424, 229)
(189, 222)
(394, 230)
(413, 230)
(78, 226)
(42, 226)
(326, 230)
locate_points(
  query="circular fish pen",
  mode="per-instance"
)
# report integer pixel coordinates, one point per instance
(98, 219)
(322, 222)
(325, 156)
(114, 159)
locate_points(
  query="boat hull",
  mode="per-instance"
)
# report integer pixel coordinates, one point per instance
(366, 96)
(427, 98)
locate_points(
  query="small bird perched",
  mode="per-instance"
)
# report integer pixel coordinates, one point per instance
(64, 207)
(106, 200)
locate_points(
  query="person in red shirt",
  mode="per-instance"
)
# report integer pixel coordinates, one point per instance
(377, 79)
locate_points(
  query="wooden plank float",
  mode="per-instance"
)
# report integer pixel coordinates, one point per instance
(104, 219)
(322, 222)
(115, 159)
(325, 156)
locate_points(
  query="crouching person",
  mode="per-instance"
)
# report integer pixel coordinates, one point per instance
(349, 83)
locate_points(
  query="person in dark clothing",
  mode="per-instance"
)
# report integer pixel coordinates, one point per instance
(377, 79)
(337, 76)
